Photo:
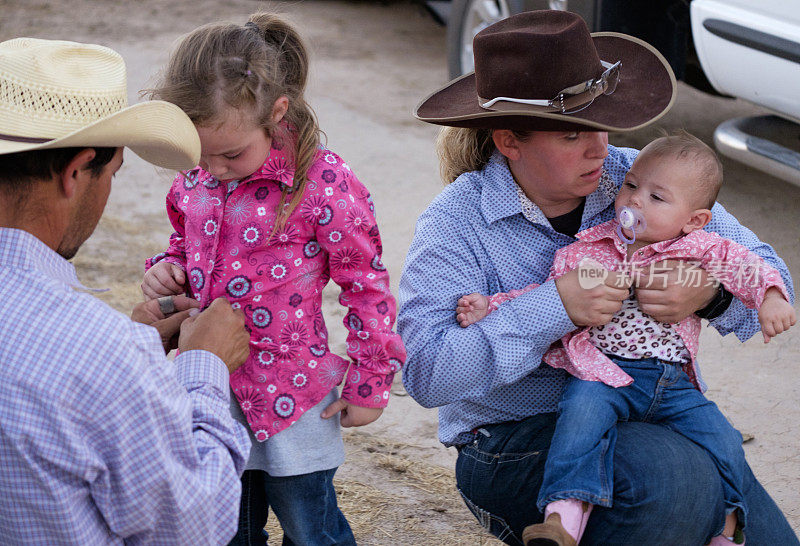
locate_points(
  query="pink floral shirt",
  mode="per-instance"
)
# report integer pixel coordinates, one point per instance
(742, 272)
(224, 240)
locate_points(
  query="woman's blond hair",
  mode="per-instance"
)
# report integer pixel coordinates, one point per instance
(462, 150)
(247, 67)
(465, 149)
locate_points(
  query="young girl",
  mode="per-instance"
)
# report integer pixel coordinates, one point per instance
(671, 187)
(265, 220)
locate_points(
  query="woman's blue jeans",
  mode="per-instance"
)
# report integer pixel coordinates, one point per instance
(580, 462)
(305, 506)
(667, 490)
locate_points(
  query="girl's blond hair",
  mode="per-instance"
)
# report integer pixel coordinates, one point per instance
(247, 68)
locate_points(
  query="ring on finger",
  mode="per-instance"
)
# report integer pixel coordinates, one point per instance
(166, 304)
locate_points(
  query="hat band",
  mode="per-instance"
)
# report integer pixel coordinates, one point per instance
(567, 101)
(30, 140)
(562, 104)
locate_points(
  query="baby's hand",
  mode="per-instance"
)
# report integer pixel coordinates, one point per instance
(163, 279)
(471, 308)
(775, 315)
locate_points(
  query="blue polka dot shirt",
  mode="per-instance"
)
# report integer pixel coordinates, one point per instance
(476, 236)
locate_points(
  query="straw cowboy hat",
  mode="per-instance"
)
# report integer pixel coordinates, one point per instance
(543, 70)
(57, 94)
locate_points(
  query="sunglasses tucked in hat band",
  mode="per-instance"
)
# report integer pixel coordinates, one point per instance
(58, 94)
(567, 101)
(532, 55)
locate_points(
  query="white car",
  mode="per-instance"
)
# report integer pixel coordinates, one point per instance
(737, 48)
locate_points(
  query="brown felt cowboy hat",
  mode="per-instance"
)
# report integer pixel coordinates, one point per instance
(543, 70)
(59, 94)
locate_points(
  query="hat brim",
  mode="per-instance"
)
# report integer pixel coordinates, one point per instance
(646, 91)
(157, 131)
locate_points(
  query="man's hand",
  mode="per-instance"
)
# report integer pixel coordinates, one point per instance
(776, 315)
(150, 313)
(666, 293)
(163, 279)
(596, 305)
(220, 330)
(352, 416)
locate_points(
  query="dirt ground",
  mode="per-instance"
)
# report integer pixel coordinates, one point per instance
(372, 62)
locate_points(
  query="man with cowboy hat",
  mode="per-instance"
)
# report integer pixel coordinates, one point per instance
(102, 439)
(527, 157)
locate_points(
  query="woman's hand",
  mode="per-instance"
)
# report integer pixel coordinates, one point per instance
(592, 303)
(163, 279)
(669, 293)
(352, 416)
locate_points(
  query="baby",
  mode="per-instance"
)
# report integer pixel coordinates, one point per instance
(670, 189)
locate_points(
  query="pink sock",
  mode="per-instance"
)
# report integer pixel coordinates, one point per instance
(571, 512)
(585, 519)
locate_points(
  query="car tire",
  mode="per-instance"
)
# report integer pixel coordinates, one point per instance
(468, 17)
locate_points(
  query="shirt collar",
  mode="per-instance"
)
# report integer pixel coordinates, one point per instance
(602, 197)
(279, 165)
(530, 210)
(687, 241)
(499, 190)
(22, 250)
(608, 230)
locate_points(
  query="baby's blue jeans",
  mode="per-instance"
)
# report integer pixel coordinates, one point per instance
(667, 489)
(580, 464)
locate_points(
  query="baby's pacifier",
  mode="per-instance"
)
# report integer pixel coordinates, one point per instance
(632, 220)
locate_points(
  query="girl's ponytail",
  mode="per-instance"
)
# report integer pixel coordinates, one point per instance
(293, 54)
(293, 60)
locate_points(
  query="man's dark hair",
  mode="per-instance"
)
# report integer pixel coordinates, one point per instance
(20, 169)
